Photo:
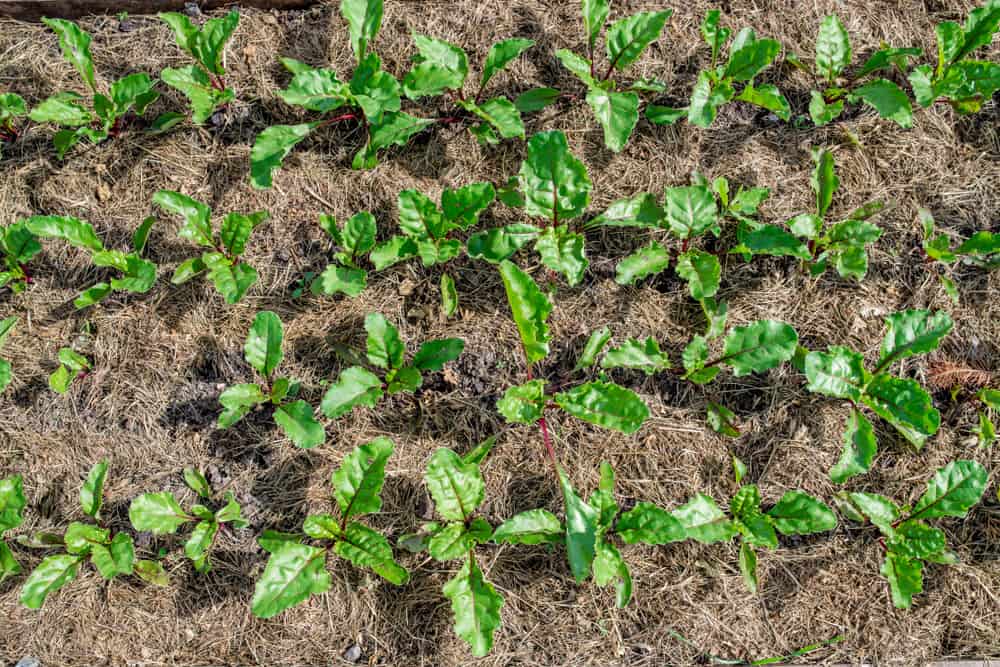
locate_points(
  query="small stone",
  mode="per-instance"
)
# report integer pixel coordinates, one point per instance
(192, 9)
(103, 191)
(352, 654)
(126, 26)
(249, 51)
(28, 661)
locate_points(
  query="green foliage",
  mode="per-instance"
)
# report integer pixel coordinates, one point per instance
(105, 118)
(717, 85)
(908, 540)
(161, 514)
(18, 245)
(202, 83)
(136, 275)
(840, 373)
(72, 365)
(982, 250)
(6, 326)
(263, 352)
(386, 352)
(354, 237)
(810, 238)
(231, 276)
(426, 226)
(12, 504)
(957, 79)
(12, 107)
(296, 570)
(552, 184)
(830, 66)
(112, 554)
(617, 110)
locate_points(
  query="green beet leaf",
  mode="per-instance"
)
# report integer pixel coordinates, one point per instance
(298, 422)
(531, 527)
(355, 387)
(357, 483)
(475, 605)
(798, 513)
(904, 404)
(637, 355)
(364, 18)
(530, 308)
(618, 114)
(456, 487)
(52, 573)
(367, 548)
(75, 44)
(72, 230)
(833, 48)
(385, 347)
(563, 252)
(839, 372)
(92, 491)
(263, 345)
(952, 491)
(649, 524)
(905, 578)
(270, 149)
(523, 404)
(629, 37)
(704, 521)
(702, 272)
(860, 448)
(887, 99)
(158, 513)
(554, 183)
(440, 66)
(690, 211)
(293, 573)
(500, 55)
(605, 404)
(647, 261)
(581, 530)
(434, 354)
(912, 332)
(759, 346)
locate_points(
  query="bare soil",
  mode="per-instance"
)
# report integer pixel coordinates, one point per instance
(162, 358)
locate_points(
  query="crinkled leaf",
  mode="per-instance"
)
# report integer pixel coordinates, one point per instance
(293, 573)
(628, 38)
(649, 524)
(759, 346)
(299, 423)
(644, 262)
(357, 483)
(92, 491)
(340, 279)
(524, 403)
(52, 573)
(530, 308)
(456, 487)
(263, 345)
(12, 503)
(952, 491)
(704, 521)
(158, 513)
(501, 54)
(838, 372)
(385, 348)
(905, 578)
(531, 527)
(271, 147)
(690, 210)
(798, 513)
(702, 272)
(860, 448)
(887, 99)
(395, 129)
(72, 230)
(617, 113)
(75, 44)
(637, 355)
(563, 251)
(721, 419)
(365, 547)
(911, 332)
(440, 66)
(904, 404)
(833, 48)
(605, 404)
(475, 605)
(554, 182)
(355, 387)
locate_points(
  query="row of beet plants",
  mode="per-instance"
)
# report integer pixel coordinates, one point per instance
(372, 97)
(592, 533)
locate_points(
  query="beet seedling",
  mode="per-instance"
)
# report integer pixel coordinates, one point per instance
(796, 513)
(107, 115)
(604, 404)
(626, 39)
(386, 351)
(457, 488)
(231, 277)
(444, 67)
(908, 541)
(716, 86)
(111, 555)
(160, 514)
(426, 226)
(19, 246)
(840, 372)
(810, 238)
(72, 365)
(263, 352)
(982, 249)
(296, 570)
(833, 57)
(986, 430)
(372, 93)
(202, 83)
(355, 238)
(12, 504)
(12, 107)
(137, 274)
(553, 185)
(963, 83)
